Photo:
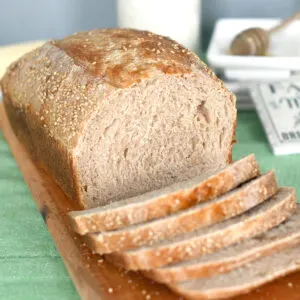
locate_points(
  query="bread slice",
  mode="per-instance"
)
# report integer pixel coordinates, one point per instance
(284, 236)
(206, 240)
(204, 214)
(165, 201)
(243, 279)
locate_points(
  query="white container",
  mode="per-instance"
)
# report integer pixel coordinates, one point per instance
(177, 19)
(284, 52)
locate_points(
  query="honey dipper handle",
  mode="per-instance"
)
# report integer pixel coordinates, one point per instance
(285, 23)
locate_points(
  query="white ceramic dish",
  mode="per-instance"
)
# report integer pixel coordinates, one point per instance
(284, 52)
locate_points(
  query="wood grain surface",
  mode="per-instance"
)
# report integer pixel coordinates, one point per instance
(92, 276)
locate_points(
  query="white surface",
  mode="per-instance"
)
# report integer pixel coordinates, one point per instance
(284, 52)
(177, 19)
(256, 74)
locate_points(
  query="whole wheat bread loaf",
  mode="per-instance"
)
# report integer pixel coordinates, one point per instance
(160, 203)
(281, 237)
(243, 279)
(114, 113)
(210, 239)
(229, 205)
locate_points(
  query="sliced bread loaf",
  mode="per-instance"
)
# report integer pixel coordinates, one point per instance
(243, 279)
(204, 214)
(210, 239)
(115, 113)
(281, 237)
(165, 201)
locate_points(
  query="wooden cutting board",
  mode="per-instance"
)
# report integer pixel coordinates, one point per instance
(93, 277)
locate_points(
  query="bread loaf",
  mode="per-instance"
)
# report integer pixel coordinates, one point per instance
(117, 112)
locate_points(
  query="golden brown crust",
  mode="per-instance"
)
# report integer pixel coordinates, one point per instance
(231, 205)
(152, 257)
(44, 149)
(114, 218)
(59, 85)
(215, 267)
(124, 57)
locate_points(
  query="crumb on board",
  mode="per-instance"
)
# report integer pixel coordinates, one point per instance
(144, 292)
(100, 260)
(110, 290)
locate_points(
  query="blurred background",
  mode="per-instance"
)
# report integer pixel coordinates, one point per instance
(22, 20)
(207, 27)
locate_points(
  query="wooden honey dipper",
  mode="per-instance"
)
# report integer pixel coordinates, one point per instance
(256, 41)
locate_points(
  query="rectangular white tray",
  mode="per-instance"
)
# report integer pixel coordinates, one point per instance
(284, 53)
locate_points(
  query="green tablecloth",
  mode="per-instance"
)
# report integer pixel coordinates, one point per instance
(30, 266)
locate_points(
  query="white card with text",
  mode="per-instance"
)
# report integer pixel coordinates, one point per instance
(278, 106)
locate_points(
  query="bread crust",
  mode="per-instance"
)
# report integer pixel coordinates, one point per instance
(122, 58)
(227, 206)
(51, 92)
(243, 279)
(191, 246)
(285, 236)
(113, 217)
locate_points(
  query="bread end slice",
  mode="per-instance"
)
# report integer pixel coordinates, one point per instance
(243, 279)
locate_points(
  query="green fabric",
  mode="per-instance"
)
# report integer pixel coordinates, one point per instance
(251, 138)
(30, 266)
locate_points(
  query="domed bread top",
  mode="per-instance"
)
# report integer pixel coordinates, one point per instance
(123, 57)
